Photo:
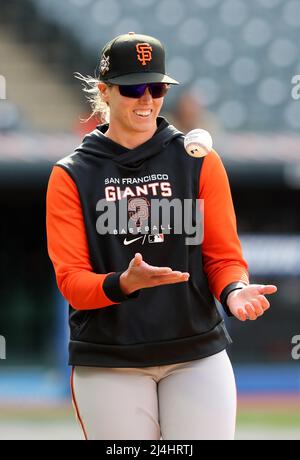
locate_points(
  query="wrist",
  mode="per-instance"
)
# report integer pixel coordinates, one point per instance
(116, 287)
(124, 285)
(232, 294)
(237, 285)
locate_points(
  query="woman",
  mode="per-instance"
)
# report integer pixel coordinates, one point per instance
(148, 345)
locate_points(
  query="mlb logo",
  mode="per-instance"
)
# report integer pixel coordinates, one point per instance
(156, 238)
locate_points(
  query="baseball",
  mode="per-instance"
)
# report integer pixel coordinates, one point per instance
(198, 143)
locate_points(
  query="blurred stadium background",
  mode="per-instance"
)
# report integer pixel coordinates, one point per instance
(235, 60)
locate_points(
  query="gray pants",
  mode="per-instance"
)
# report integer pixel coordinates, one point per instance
(190, 400)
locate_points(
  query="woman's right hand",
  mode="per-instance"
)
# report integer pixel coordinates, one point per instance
(140, 275)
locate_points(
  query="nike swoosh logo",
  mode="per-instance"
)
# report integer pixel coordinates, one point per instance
(131, 241)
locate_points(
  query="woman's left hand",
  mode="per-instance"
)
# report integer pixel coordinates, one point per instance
(250, 302)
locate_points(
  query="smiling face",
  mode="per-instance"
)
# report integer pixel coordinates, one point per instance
(131, 117)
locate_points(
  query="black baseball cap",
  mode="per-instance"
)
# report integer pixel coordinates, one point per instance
(131, 59)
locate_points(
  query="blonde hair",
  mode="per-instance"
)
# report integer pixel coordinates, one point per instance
(100, 108)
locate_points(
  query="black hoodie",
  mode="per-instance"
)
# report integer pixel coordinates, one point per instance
(155, 326)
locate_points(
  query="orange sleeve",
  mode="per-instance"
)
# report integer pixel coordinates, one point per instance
(67, 245)
(223, 260)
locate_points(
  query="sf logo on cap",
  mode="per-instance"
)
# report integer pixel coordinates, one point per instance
(144, 52)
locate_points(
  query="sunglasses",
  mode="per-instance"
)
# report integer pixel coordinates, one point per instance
(136, 91)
